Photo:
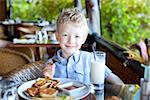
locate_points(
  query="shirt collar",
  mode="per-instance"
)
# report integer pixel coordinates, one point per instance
(60, 58)
(75, 56)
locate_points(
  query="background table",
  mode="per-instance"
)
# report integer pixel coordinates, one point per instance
(39, 49)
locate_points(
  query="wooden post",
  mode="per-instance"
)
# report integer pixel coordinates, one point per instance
(3, 10)
(93, 14)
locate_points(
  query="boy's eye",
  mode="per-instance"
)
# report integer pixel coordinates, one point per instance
(64, 34)
(77, 36)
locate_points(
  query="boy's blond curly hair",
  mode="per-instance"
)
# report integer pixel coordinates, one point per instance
(72, 16)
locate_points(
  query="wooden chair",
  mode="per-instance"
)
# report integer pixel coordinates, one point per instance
(26, 50)
(26, 72)
(11, 59)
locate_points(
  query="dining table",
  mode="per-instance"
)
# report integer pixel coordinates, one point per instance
(113, 92)
(116, 92)
(39, 49)
(110, 91)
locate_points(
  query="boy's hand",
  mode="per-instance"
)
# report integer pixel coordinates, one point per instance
(49, 70)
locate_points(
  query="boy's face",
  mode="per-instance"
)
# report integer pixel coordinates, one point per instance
(71, 38)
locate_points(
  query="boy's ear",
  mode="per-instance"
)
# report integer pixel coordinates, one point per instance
(84, 39)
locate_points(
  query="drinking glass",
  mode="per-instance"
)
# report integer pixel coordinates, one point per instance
(8, 90)
(98, 70)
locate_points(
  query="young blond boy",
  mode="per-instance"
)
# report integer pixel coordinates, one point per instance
(72, 31)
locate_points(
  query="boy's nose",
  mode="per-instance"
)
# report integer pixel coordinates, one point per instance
(71, 39)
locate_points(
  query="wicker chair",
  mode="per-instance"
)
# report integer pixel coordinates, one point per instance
(26, 50)
(25, 73)
(11, 59)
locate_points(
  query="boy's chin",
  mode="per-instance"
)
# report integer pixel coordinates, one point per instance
(70, 51)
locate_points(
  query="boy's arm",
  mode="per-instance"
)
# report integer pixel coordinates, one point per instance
(114, 79)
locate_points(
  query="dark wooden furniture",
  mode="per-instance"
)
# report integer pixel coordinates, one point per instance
(38, 49)
(130, 71)
(3, 9)
(51, 48)
(116, 61)
(12, 59)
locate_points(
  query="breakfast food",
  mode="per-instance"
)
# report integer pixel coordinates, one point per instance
(47, 92)
(43, 87)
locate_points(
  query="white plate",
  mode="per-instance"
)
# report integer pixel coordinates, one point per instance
(77, 95)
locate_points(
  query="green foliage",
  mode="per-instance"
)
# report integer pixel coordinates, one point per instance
(37, 9)
(125, 21)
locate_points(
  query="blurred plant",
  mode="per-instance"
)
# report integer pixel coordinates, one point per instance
(125, 21)
(139, 52)
(39, 9)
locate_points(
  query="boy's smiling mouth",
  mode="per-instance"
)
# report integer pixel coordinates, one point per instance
(70, 46)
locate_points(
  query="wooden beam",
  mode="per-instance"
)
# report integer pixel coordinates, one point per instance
(93, 14)
(3, 10)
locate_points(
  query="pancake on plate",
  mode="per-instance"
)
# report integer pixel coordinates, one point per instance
(43, 87)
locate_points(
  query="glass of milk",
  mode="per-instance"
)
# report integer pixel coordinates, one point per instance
(98, 70)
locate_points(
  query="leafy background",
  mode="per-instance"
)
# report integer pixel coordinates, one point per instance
(39, 9)
(124, 22)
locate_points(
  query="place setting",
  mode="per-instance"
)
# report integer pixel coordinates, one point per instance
(56, 88)
(98, 72)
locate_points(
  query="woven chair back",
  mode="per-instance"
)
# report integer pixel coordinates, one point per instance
(11, 59)
(26, 50)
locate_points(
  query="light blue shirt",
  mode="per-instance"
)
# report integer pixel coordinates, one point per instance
(75, 67)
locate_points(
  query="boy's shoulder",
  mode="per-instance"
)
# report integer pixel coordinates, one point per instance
(85, 53)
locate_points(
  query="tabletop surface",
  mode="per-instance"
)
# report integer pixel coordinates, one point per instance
(125, 92)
